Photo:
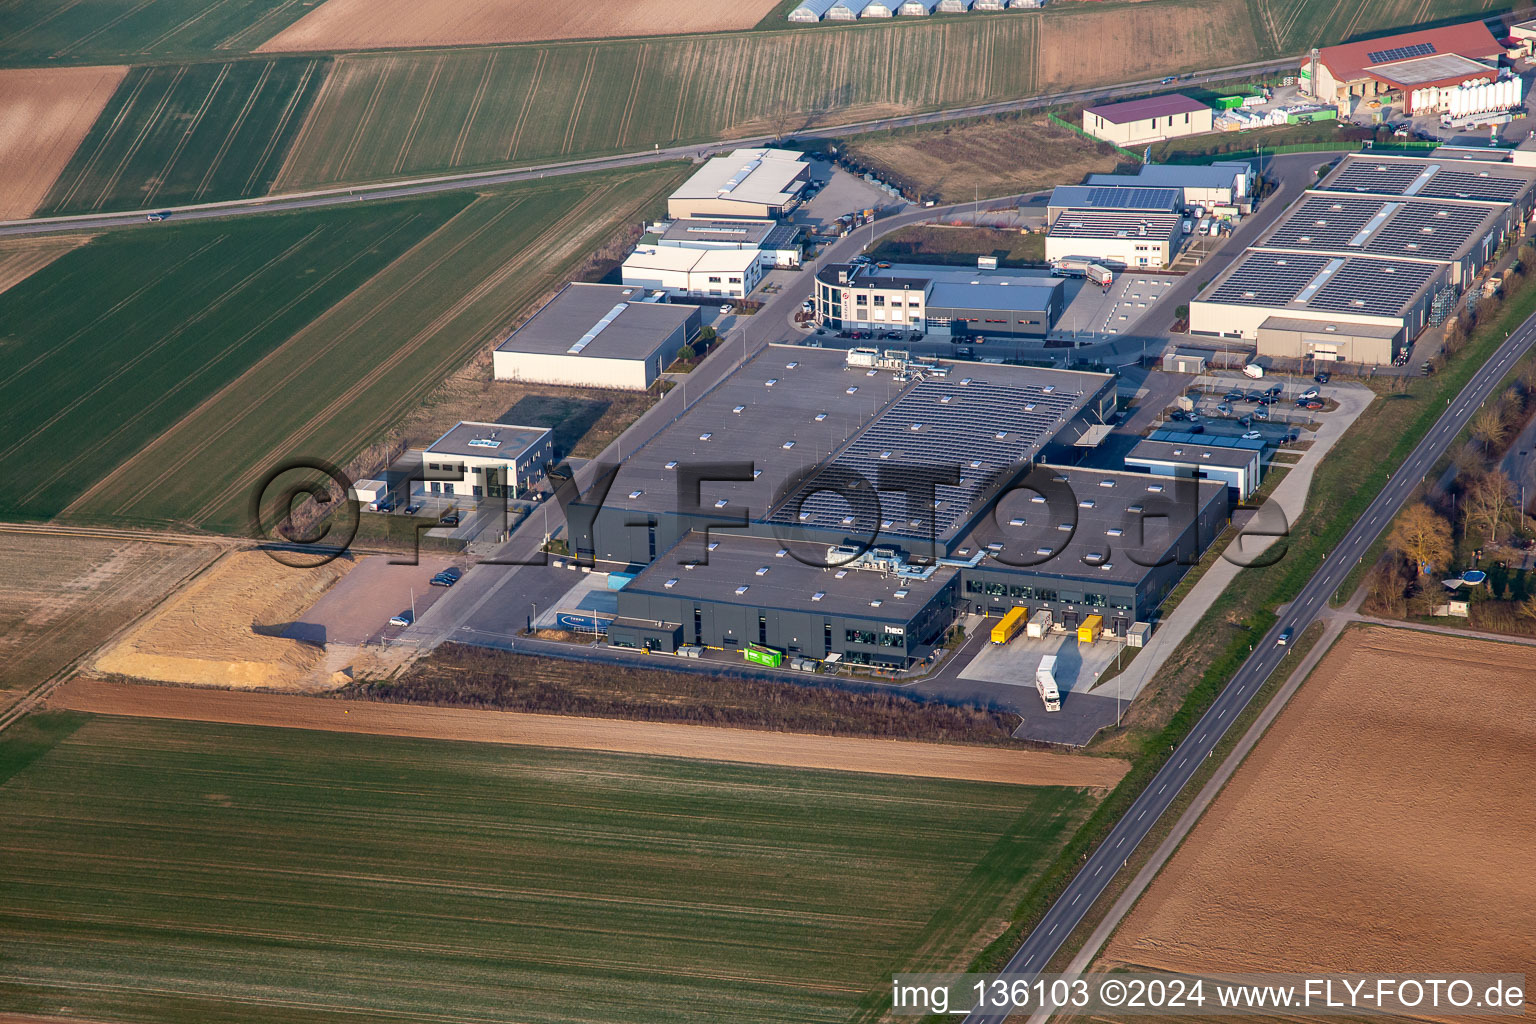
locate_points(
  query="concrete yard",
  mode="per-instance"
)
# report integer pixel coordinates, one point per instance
(1078, 666)
(1093, 314)
(358, 608)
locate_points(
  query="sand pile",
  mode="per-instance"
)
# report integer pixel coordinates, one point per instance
(222, 630)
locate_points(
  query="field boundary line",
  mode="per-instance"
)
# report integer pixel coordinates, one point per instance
(581, 101)
(660, 739)
(634, 94)
(307, 128)
(99, 150)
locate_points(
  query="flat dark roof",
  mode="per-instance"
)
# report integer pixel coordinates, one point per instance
(1193, 454)
(1146, 510)
(579, 317)
(1142, 109)
(796, 578)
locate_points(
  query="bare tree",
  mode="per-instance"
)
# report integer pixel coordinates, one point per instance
(1490, 501)
(1422, 536)
(1488, 427)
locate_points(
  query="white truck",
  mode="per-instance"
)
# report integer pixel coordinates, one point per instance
(1253, 370)
(1039, 624)
(1082, 266)
(1045, 682)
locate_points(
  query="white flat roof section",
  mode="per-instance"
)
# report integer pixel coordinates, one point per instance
(766, 176)
(503, 441)
(677, 259)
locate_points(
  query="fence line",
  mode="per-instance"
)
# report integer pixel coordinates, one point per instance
(1072, 127)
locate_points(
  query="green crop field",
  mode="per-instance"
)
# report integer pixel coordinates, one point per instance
(160, 371)
(191, 133)
(388, 114)
(179, 872)
(114, 31)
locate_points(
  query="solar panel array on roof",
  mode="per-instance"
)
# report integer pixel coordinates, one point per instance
(1484, 185)
(943, 426)
(1268, 279)
(1364, 176)
(1384, 227)
(1400, 53)
(1372, 287)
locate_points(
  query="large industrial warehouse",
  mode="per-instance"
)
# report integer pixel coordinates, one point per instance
(597, 335)
(898, 496)
(1356, 269)
(753, 183)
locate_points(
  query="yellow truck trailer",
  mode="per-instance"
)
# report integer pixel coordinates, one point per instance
(1008, 626)
(1089, 631)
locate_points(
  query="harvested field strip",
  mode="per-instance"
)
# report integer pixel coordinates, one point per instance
(44, 114)
(120, 333)
(181, 134)
(335, 384)
(22, 257)
(60, 597)
(382, 24)
(180, 872)
(833, 753)
(1327, 852)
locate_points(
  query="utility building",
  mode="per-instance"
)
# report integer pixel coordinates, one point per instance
(597, 335)
(1225, 183)
(752, 183)
(1153, 119)
(1231, 460)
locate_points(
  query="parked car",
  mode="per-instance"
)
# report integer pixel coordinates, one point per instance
(1233, 396)
(1197, 428)
(807, 305)
(1322, 376)
(1253, 435)
(449, 519)
(1224, 409)
(1309, 393)
(1261, 413)
(447, 578)
(1246, 421)
(727, 309)
(1314, 405)
(411, 510)
(405, 618)
(1254, 396)
(384, 506)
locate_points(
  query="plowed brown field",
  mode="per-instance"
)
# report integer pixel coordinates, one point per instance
(881, 757)
(1384, 824)
(44, 113)
(365, 24)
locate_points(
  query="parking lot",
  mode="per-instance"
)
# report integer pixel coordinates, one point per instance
(1078, 666)
(357, 610)
(844, 193)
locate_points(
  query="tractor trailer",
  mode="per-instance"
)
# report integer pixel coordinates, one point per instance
(1039, 624)
(1008, 626)
(1045, 682)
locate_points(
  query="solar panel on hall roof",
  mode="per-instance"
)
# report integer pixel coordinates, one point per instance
(1400, 53)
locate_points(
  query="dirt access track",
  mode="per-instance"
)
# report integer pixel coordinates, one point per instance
(834, 753)
(1384, 824)
(44, 113)
(368, 24)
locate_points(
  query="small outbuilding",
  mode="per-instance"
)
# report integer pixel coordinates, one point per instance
(1152, 119)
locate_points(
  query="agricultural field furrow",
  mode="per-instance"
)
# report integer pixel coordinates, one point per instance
(315, 332)
(128, 354)
(186, 134)
(363, 879)
(105, 31)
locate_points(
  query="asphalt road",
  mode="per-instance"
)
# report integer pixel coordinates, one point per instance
(1112, 854)
(442, 183)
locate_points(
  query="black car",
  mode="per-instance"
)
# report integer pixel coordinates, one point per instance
(447, 578)
(1254, 396)
(1233, 396)
(1322, 377)
(1197, 428)
(411, 510)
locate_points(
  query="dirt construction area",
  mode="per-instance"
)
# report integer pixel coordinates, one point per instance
(225, 629)
(1384, 824)
(836, 753)
(44, 113)
(364, 24)
(358, 608)
(61, 596)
